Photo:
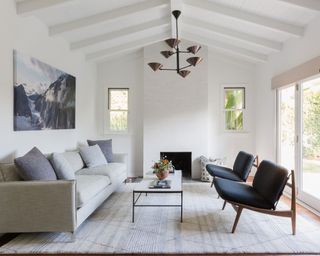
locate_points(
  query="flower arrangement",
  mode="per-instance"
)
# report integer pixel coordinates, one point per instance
(161, 165)
(161, 168)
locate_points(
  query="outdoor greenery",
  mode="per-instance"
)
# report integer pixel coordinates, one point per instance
(118, 120)
(118, 109)
(311, 125)
(288, 116)
(234, 105)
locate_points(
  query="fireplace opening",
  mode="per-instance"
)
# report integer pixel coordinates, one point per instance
(180, 160)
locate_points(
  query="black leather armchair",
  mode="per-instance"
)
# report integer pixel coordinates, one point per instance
(264, 194)
(240, 171)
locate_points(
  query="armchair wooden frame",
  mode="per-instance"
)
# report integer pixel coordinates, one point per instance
(282, 213)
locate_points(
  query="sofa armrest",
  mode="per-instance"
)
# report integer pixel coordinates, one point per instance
(37, 206)
(120, 158)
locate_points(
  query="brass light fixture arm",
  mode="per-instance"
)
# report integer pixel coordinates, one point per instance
(185, 67)
(174, 45)
(168, 69)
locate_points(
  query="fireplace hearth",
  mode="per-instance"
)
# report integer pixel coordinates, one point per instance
(181, 161)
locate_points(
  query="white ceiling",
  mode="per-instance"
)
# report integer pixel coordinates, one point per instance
(249, 29)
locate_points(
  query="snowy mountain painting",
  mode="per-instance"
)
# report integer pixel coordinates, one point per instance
(44, 97)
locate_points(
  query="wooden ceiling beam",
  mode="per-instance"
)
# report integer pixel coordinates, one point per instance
(30, 6)
(233, 34)
(307, 4)
(120, 33)
(108, 16)
(127, 46)
(255, 56)
(249, 17)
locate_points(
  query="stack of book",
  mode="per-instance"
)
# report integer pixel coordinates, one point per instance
(160, 184)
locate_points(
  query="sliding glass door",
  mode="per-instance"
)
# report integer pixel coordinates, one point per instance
(286, 135)
(299, 136)
(310, 165)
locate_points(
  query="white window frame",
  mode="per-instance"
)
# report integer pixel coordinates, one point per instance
(223, 118)
(107, 111)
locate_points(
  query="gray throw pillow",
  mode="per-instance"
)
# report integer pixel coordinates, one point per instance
(35, 166)
(62, 167)
(106, 148)
(92, 156)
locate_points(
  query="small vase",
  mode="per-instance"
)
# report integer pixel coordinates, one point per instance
(162, 174)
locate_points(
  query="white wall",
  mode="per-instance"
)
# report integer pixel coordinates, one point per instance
(229, 71)
(125, 72)
(175, 108)
(295, 52)
(30, 36)
(169, 113)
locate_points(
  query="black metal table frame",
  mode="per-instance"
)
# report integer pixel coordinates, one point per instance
(135, 200)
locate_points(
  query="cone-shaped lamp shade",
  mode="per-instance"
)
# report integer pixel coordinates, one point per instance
(184, 73)
(194, 60)
(194, 49)
(155, 65)
(167, 54)
(172, 42)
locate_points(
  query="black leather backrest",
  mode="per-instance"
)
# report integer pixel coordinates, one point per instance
(243, 164)
(270, 181)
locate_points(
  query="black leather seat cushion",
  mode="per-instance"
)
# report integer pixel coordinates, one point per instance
(240, 193)
(222, 172)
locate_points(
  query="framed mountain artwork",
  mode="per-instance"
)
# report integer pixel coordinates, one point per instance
(44, 97)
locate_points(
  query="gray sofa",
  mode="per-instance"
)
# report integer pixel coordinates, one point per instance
(56, 206)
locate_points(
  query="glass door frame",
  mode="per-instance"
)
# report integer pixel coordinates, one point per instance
(304, 197)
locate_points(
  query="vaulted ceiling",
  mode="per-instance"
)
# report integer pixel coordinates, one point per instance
(101, 29)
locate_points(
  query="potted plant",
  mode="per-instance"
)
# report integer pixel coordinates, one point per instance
(161, 168)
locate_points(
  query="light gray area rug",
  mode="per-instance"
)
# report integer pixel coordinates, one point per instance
(205, 229)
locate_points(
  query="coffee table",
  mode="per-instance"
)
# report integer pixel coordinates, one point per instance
(143, 188)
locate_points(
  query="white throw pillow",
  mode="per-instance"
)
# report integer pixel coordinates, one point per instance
(92, 156)
(62, 168)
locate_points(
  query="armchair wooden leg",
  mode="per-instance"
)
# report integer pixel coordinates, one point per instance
(293, 222)
(239, 211)
(224, 205)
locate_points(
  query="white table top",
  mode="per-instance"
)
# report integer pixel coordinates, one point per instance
(176, 183)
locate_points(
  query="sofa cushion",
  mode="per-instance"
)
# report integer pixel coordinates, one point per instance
(9, 172)
(112, 170)
(106, 148)
(74, 159)
(87, 186)
(62, 167)
(92, 156)
(35, 166)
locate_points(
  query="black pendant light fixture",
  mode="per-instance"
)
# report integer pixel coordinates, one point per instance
(174, 44)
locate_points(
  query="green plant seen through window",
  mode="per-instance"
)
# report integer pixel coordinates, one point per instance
(311, 128)
(118, 109)
(234, 105)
